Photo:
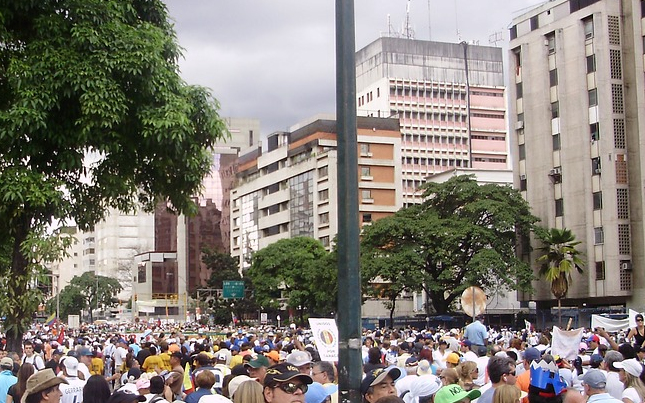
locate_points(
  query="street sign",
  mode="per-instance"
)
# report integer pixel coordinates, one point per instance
(233, 289)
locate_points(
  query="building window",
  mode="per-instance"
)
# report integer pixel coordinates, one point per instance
(141, 274)
(619, 133)
(325, 241)
(534, 23)
(366, 196)
(555, 110)
(551, 43)
(598, 236)
(622, 204)
(588, 24)
(553, 77)
(513, 32)
(600, 270)
(597, 200)
(323, 218)
(366, 172)
(365, 150)
(615, 64)
(323, 195)
(556, 141)
(613, 29)
(594, 131)
(559, 207)
(591, 63)
(596, 169)
(624, 242)
(617, 98)
(367, 217)
(518, 90)
(323, 171)
(592, 95)
(522, 183)
(522, 152)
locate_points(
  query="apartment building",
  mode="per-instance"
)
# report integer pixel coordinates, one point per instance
(288, 188)
(449, 99)
(576, 103)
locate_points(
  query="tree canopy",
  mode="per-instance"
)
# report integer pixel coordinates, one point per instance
(87, 292)
(298, 269)
(463, 234)
(93, 116)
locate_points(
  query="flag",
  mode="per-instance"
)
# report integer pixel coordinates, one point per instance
(51, 320)
(61, 337)
(188, 383)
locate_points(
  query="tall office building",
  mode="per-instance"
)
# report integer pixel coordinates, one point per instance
(287, 188)
(576, 106)
(449, 119)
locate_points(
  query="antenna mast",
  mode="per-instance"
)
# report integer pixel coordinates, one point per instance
(429, 22)
(408, 32)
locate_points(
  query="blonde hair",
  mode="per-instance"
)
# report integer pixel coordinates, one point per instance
(632, 381)
(465, 371)
(506, 394)
(450, 375)
(249, 392)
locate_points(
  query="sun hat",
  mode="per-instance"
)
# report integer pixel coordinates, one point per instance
(316, 392)
(454, 393)
(236, 382)
(71, 366)
(40, 381)
(631, 366)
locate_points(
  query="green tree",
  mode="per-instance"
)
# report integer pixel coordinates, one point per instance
(300, 269)
(91, 89)
(225, 268)
(463, 234)
(87, 292)
(558, 259)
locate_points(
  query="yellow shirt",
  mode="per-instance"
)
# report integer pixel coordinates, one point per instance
(165, 357)
(97, 366)
(236, 360)
(152, 363)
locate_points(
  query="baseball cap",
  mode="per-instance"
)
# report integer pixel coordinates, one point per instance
(71, 366)
(532, 354)
(260, 361)
(631, 366)
(376, 376)
(236, 382)
(125, 396)
(221, 357)
(466, 343)
(85, 351)
(285, 372)
(411, 362)
(317, 393)
(299, 358)
(453, 358)
(143, 383)
(6, 362)
(594, 378)
(595, 360)
(274, 355)
(593, 338)
(454, 393)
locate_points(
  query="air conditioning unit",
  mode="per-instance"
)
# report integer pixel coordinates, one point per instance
(626, 266)
(555, 171)
(522, 177)
(519, 125)
(597, 170)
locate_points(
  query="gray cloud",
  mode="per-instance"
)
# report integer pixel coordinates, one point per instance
(275, 60)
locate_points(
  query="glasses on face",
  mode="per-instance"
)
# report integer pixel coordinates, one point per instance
(291, 388)
(511, 373)
(639, 320)
(315, 373)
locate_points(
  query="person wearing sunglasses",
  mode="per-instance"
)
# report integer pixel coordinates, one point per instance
(501, 371)
(637, 333)
(284, 383)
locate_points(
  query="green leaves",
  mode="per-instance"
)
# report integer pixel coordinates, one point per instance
(463, 234)
(559, 258)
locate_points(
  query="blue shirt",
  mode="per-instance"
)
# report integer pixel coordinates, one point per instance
(6, 380)
(476, 332)
(196, 395)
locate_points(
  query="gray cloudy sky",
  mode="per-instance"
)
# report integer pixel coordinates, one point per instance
(275, 59)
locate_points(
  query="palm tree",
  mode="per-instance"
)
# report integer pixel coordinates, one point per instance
(559, 258)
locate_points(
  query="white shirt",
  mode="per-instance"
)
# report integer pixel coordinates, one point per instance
(439, 358)
(119, 357)
(632, 394)
(614, 386)
(82, 368)
(72, 392)
(35, 360)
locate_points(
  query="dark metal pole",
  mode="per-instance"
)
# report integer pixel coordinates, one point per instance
(349, 287)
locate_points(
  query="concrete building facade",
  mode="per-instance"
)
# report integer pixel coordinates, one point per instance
(576, 104)
(449, 119)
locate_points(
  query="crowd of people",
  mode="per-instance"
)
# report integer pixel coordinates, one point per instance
(162, 364)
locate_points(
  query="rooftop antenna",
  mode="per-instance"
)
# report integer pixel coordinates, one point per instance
(408, 32)
(457, 23)
(495, 37)
(429, 22)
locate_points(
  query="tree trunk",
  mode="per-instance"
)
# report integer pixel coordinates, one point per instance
(17, 285)
(392, 308)
(560, 312)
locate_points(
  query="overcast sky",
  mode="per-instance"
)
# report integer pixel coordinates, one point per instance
(274, 60)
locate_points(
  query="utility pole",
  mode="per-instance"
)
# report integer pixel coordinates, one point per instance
(349, 287)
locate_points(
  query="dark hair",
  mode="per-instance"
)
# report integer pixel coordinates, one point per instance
(374, 355)
(26, 370)
(153, 350)
(497, 367)
(96, 390)
(627, 350)
(157, 384)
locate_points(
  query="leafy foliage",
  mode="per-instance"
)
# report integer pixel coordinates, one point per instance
(302, 270)
(90, 89)
(558, 259)
(83, 292)
(463, 234)
(224, 268)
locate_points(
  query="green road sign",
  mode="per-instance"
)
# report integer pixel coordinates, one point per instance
(233, 289)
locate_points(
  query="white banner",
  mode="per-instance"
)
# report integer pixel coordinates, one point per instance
(565, 343)
(325, 334)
